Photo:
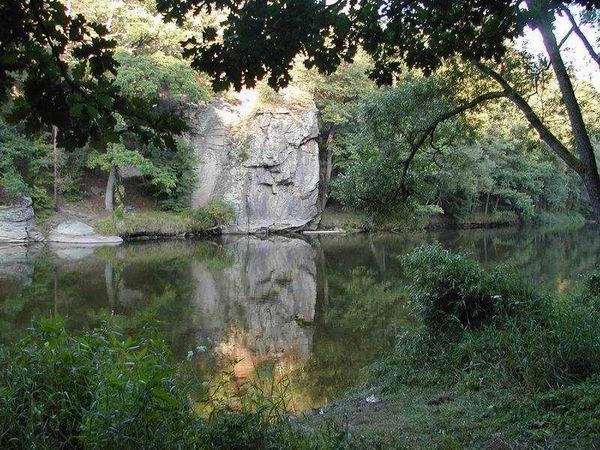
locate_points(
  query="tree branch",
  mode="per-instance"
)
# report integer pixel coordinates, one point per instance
(579, 33)
(545, 134)
(417, 144)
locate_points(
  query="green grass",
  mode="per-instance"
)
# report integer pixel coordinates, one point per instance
(347, 220)
(337, 218)
(204, 220)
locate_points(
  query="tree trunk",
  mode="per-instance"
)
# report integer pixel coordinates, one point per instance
(544, 22)
(55, 155)
(592, 184)
(326, 164)
(109, 196)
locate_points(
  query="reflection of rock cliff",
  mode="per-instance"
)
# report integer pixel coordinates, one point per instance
(264, 160)
(16, 263)
(259, 307)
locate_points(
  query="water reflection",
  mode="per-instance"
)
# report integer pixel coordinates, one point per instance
(317, 310)
(262, 305)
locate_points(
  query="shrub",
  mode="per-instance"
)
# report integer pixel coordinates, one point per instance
(452, 289)
(448, 288)
(25, 167)
(99, 389)
(592, 285)
(590, 291)
(214, 214)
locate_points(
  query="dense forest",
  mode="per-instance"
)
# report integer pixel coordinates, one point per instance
(396, 155)
(297, 180)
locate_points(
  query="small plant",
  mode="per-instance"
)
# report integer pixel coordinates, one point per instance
(99, 389)
(214, 214)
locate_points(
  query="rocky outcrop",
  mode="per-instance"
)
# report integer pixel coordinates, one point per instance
(80, 233)
(262, 159)
(17, 223)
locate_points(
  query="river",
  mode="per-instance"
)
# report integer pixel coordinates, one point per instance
(310, 311)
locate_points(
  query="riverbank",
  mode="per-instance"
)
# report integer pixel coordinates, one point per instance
(494, 363)
(143, 221)
(335, 218)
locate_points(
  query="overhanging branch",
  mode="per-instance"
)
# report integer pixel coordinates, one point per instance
(403, 191)
(545, 134)
(579, 33)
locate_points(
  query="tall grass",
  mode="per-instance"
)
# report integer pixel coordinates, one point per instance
(202, 220)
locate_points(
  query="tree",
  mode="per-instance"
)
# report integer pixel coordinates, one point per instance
(337, 97)
(148, 54)
(58, 69)
(261, 39)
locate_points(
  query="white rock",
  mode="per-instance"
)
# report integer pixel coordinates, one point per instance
(80, 233)
(265, 162)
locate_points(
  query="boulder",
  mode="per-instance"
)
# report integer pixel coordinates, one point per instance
(262, 159)
(17, 223)
(80, 233)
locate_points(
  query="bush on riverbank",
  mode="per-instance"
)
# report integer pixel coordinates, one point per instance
(200, 220)
(526, 364)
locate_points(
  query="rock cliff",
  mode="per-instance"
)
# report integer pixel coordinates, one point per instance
(17, 223)
(263, 159)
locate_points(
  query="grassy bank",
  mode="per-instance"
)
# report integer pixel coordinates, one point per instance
(199, 221)
(347, 220)
(493, 363)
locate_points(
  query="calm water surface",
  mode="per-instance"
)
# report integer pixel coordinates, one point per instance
(311, 312)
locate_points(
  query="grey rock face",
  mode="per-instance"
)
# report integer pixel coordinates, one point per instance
(17, 223)
(80, 233)
(259, 307)
(265, 162)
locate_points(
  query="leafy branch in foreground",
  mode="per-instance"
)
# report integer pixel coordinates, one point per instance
(59, 70)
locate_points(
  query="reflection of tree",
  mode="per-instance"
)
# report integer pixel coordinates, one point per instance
(132, 279)
(279, 301)
(545, 256)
